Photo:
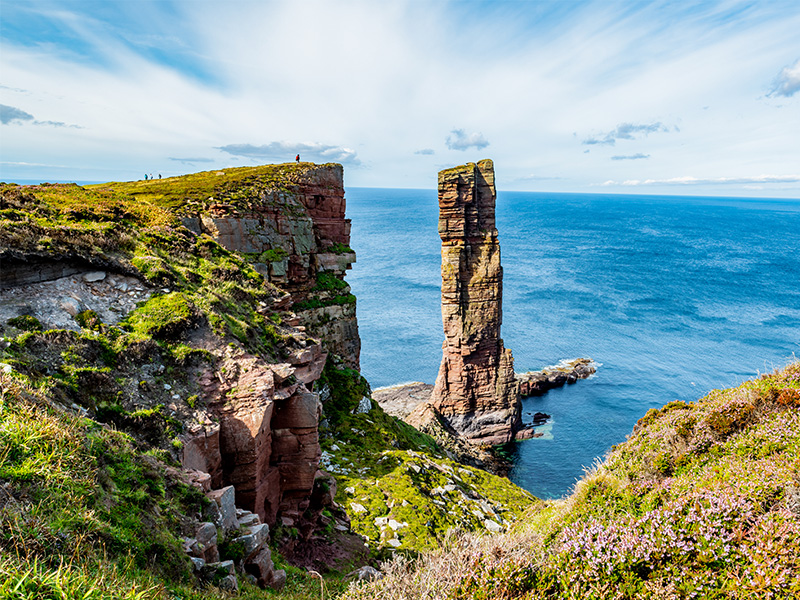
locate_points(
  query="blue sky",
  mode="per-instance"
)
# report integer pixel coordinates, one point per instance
(635, 97)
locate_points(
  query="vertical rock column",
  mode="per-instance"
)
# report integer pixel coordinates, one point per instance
(475, 390)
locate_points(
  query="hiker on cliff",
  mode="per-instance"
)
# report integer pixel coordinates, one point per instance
(297, 158)
(145, 176)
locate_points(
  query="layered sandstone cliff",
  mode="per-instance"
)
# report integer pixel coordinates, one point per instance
(476, 391)
(294, 230)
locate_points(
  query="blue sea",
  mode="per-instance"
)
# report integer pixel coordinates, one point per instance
(673, 296)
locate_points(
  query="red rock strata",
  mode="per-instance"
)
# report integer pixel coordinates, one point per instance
(266, 442)
(295, 227)
(475, 391)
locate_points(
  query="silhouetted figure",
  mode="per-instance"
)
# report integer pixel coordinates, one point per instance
(145, 176)
(159, 175)
(297, 158)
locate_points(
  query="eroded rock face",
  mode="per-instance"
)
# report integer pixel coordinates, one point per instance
(298, 231)
(475, 391)
(266, 444)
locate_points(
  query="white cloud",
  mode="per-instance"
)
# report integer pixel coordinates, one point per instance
(460, 140)
(425, 151)
(286, 151)
(787, 83)
(688, 180)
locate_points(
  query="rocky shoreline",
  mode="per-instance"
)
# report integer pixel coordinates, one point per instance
(411, 402)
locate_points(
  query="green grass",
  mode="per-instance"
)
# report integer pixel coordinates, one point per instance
(232, 186)
(397, 473)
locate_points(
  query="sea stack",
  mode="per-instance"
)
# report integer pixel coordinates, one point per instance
(476, 391)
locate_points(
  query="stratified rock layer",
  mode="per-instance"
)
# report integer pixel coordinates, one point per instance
(295, 229)
(475, 391)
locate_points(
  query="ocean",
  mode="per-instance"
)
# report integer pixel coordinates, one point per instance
(673, 296)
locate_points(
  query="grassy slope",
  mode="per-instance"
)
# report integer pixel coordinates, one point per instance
(703, 501)
(396, 473)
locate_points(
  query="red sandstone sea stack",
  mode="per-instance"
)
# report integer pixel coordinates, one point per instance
(475, 391)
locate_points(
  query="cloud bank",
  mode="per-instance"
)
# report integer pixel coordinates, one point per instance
(286, 151)
(688, 180)
(459, 140)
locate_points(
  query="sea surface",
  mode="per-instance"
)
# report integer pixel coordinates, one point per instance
(673, 296)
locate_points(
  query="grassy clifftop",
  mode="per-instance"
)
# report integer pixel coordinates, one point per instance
(703, 501)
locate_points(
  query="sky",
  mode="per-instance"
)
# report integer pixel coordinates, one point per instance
(671, 97)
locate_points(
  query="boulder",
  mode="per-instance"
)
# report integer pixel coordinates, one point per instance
(225, 500)
(253, 540)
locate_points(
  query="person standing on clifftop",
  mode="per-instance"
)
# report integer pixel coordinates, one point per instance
(297, 158)
(145, 176)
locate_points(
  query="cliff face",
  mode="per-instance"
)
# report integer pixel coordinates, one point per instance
(215, 348)
(296, 235)
(475, 390)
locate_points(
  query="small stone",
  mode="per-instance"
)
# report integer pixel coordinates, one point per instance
(364, 406)
(394, 543)
(176, 396)
(357, 508)
(365, 573)
(72, 306)
(278, 580)
(198, 563)
(94, 276)
(493, 526)
(167, 387)
(6, 368)
(350, 490)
